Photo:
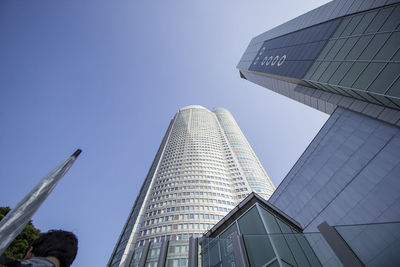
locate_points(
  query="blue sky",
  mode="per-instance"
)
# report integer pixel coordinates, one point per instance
(107, 77)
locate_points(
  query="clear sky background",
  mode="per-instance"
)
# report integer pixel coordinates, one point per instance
(107, 77)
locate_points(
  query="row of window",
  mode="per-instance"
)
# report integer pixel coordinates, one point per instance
(243, 189)
(177, 172)
(162, 180)
(190, 200)
(171, 227)
(194, 207)
(192, 187)
(196, 187)
(194, 163)
(203, 182)
(257, 184)
(199, 159)
(175, 195)
(183, 208)
(239, 184)
(186, 181)
(190, 168)
(263, 191)
(168, 237)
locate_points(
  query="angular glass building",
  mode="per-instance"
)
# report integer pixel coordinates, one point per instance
(203, 168)
(342, 54)
(343, 59)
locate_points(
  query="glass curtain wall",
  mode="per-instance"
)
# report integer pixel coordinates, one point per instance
(268, 239)
(362, 58)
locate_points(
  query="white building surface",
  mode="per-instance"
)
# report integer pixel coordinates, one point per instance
(203, 168)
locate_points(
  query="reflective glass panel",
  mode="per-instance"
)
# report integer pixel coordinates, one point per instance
(351, 26)
(369, 98)
(259, 249)
(376, 43)
(228, 232)
(389, 48)
(271, 222)
(359, 47)
(379, 19)
(395, 89)
(386, 101)
(393, 21)
(332, 53)
(319, 71)
(385, 78)
(329, 71)
(368, 75)
(350, 92)
(364, 238)
(353, 73)
(326, 49)
(340, 72)
(250, 223)
(312, 69)
(365, 21)
(341, 27)
(346, 48)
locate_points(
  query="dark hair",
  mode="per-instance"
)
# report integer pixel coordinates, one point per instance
(57, 243)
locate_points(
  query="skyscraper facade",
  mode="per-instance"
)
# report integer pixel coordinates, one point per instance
(342, 59)
(203, 168)
(342, 54)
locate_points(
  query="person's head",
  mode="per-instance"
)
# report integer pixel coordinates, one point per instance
(56, 243)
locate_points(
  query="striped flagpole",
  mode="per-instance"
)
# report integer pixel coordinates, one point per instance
(14, 222)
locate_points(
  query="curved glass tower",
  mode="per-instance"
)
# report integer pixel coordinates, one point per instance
(203, 168)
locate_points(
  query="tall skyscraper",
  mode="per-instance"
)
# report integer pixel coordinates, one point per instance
(342, 58)
(203, 168)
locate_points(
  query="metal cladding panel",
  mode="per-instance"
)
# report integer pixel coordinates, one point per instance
(292, 54)
(347, 175)
(244, 62)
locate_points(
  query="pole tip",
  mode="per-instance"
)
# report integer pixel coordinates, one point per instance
(76, 153)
